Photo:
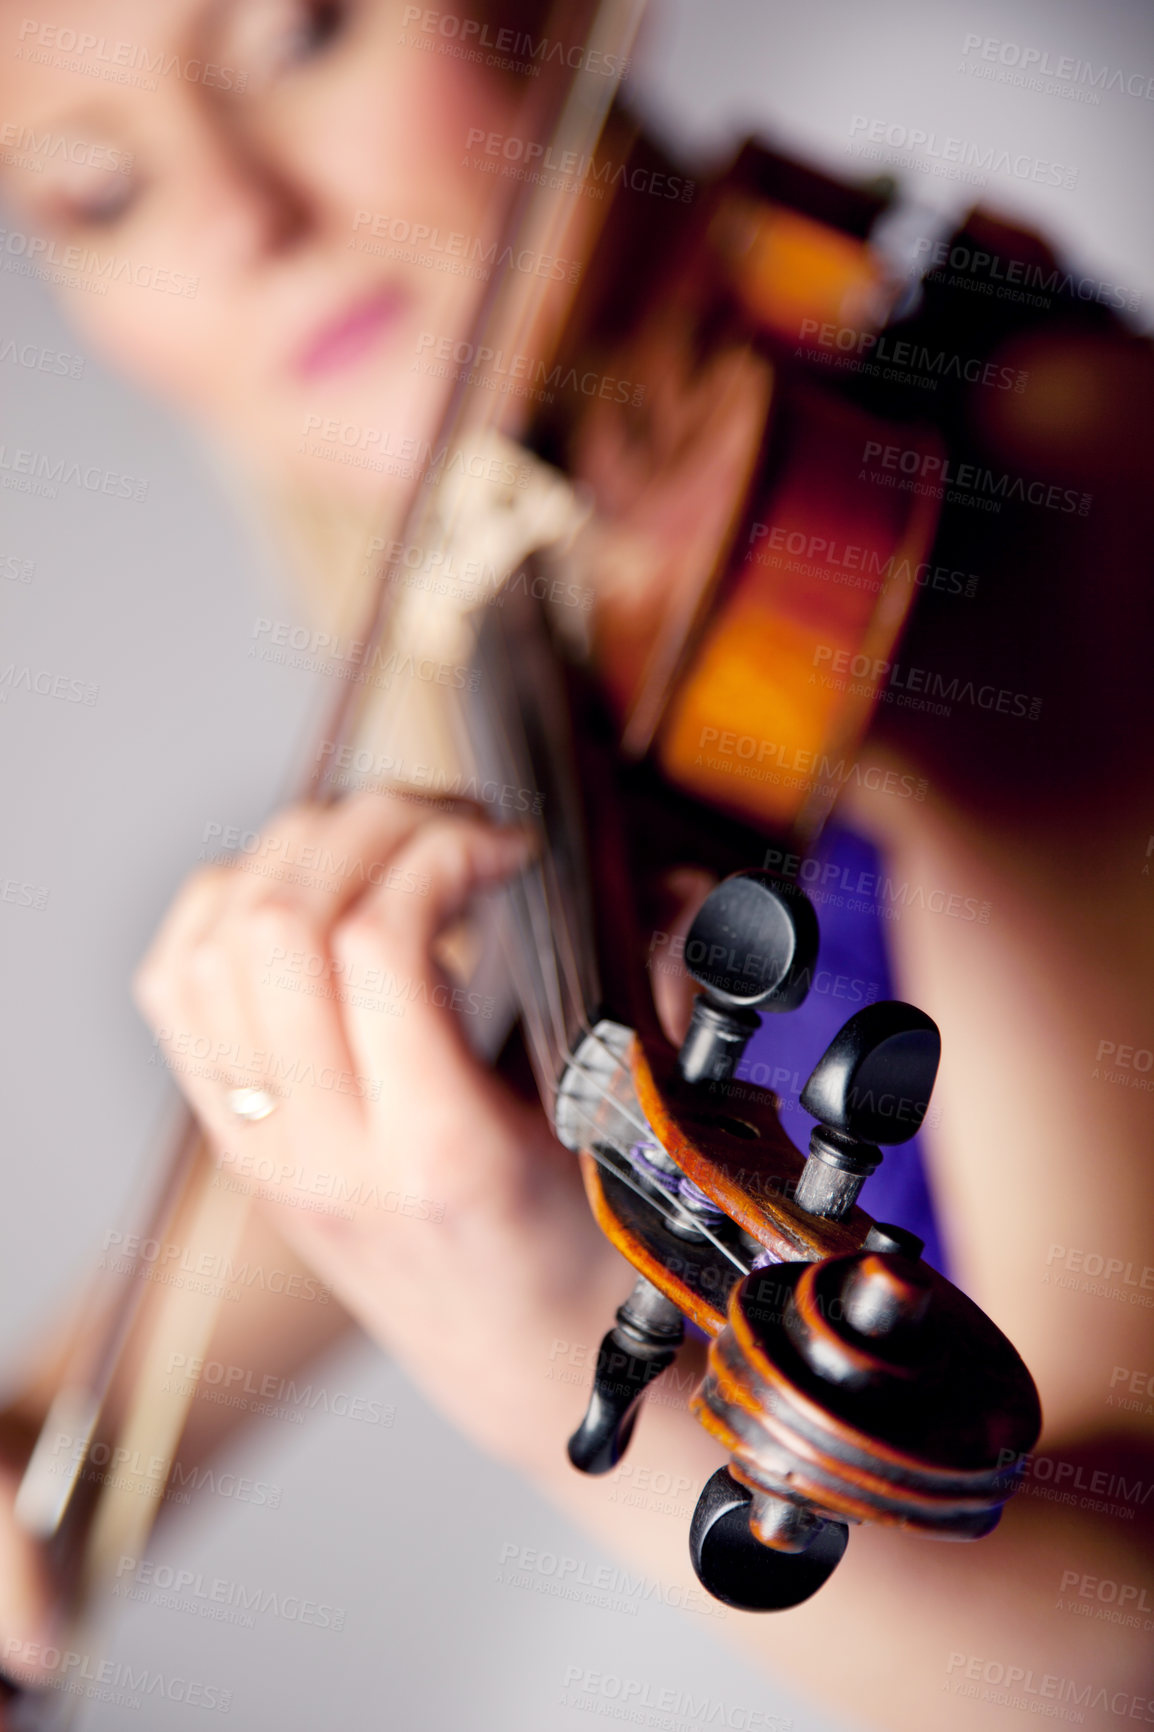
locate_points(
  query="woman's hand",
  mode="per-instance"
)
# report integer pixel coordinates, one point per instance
(423, 1192)
(25, 1599)
(431, 1199)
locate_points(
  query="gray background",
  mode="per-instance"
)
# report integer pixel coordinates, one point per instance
(105, 808)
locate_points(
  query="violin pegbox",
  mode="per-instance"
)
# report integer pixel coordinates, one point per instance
(848, 1381)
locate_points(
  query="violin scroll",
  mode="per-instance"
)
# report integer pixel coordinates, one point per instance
(862, 1388)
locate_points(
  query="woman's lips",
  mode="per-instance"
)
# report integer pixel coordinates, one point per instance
(348, 338)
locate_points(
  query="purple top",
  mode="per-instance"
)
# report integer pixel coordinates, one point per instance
(852, 971)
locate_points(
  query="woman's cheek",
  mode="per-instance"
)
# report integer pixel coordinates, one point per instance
(406, 157)
(166, 340)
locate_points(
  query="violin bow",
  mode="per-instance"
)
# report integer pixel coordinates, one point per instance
(116, 1407)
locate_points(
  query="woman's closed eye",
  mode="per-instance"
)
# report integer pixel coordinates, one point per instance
(100, 200)
(73, 191)
(261, 42)
(267, 39)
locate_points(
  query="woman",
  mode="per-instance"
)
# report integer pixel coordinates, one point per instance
(260, 182)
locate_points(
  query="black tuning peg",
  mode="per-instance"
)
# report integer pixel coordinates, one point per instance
(872, 1085)
(643, 1343)
(759, 1575)
(752, 946)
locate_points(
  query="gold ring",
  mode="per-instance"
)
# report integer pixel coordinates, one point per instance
(251, 1105)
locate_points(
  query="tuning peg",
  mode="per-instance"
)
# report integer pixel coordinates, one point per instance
(872, 1085)
(760, 1553)
(884, 1237)
(752, 946)
(643, 1343)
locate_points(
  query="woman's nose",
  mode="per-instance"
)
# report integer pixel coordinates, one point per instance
(248, 207)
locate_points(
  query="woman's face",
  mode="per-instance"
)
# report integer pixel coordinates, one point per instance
(226, 189)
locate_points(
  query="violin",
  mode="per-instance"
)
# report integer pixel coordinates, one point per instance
(678, 456)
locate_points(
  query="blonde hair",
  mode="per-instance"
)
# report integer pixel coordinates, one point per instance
(324, 543)
(317, 540)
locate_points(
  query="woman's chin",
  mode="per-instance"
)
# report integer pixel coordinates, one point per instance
(355, 483)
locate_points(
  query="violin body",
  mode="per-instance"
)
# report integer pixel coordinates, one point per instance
(727, 497)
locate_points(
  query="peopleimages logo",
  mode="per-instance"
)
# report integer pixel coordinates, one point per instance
(1065, 68)
(604, 1585)
(1008, 1685)
(909, 360)
(584, 171)
(36, 358)
(94, 268)
(216, 1597)
(469, 38)
(117, 62)
(22, 147)
(427, 778)
(993, 274)
(961, 153)
(928, 472)
(115, 1681)
(611, 1695)
(274, 1396)
(46, 685)
(157, 1476)
(422, 243)
(827, 881)
(133, 1254)
(852, 563)
(42, 473)
(517, 374)
(882, 680)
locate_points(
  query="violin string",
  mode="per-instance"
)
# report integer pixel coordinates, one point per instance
(555, 1010)
(646, 1131)
(556, 950)
(646, 1135)
(655, 1196)
(551, 950)
(545, 1046)
(543, 929)
(543, 1010)
(662, 1201)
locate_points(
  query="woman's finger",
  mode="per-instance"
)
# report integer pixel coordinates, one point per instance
(25, 1595)
(411, 1035)
(294, 991)
(324, 857)
(272, 933)
(232, 926)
